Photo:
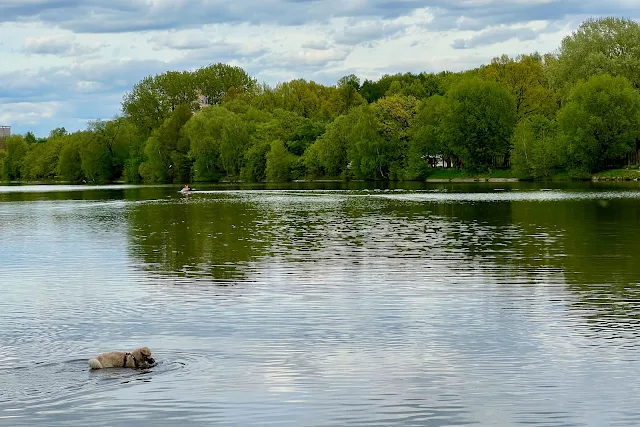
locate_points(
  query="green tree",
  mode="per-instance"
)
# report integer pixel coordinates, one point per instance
(478, 122)
(106, 149)
(146, 106)
(328, 155)
(394, 115)
(350, 80)
(279, 162)
(220, 82)
(295, 131)
(535, 151)
(166, 150)
(204, 131)
(136, 157)
(234, 142)
(599, 46)
(426, 141)
(600, 122)
(255, 167)
(41, 160)
(3, 155)
(371, 90)
(58, 132)
(16, 149)
(30, 138)
(69, 162)
(343, 98)
(367, 151)
(220, 139)
(525, 80)
(419, 86)
(178, 88)
(306, 99)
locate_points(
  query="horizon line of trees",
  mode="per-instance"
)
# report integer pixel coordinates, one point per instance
(577, 109)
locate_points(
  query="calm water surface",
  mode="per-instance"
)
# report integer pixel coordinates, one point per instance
(325, 305)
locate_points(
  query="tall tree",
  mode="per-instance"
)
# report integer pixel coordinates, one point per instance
(30, 138)
(58, 132)
(367, 151)
(426, 141)
(146, 105)
(604, 45)
(16, 149)
(535, 150)
(350, 80)
(328, 155)
(178, 88)
(279, 162)
(345, 96)
(478, 122)
(600, 122)
(305, 98)
(166, 150)
(219, 82)
(106, 149)
(525, 80)
(41, 160)
(69, 162)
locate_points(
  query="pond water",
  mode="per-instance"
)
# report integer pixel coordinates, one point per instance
(497, 304)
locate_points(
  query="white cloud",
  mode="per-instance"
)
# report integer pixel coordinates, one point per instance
(29, 113)
(68, 61)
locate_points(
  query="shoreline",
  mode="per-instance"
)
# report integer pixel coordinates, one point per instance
(611, 175)
(472, 180)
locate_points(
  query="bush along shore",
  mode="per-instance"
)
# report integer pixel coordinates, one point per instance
(571, 114)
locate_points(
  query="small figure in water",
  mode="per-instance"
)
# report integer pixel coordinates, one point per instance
(186, 191)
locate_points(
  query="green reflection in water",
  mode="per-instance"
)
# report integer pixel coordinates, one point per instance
(595, 243)
(212, 238)
(590, 246)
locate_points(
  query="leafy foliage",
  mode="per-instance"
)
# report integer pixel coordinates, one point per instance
(426, 141)
(477, 122)
(220, 82)
(600, 123)
(16, 149)
(599, 46)
(535, 151)
(525, 80)
(576, 109)
(166, 150)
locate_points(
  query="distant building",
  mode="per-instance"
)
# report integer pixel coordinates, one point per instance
(203, 101)
(5, 131)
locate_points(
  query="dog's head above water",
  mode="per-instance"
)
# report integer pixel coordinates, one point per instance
(143, 356)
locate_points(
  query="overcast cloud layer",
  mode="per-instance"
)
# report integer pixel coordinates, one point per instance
(64, 62)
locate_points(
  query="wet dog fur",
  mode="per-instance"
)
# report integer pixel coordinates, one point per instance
(138, 358)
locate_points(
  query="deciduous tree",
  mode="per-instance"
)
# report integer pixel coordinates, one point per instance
(603, 45)
(600, 122)
(535, 151)
(478, 122)
(16, 149)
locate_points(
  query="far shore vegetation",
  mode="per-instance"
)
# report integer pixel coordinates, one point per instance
(570, 114)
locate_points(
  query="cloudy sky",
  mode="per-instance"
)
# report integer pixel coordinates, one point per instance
(64, 62)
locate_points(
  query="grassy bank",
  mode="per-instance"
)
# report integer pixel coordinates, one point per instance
(455, 175)
(626, 174)
(439, 175)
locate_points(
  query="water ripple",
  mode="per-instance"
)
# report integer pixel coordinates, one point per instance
(322, 308)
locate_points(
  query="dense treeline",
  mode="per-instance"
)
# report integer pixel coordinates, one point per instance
(577, 109)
